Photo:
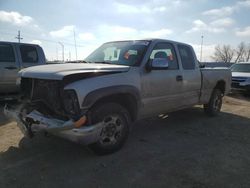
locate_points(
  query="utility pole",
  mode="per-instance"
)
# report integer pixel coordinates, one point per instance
(201, 47)
(75, 43)
(69, 56)
(19, 36)
(62, 50)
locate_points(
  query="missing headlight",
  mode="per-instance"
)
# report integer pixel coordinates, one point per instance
(71, 104)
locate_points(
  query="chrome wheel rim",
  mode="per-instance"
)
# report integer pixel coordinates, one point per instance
(112, 130)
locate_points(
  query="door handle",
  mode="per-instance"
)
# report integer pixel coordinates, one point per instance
(10, 68)
(179, 78)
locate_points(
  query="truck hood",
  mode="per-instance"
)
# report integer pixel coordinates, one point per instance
(59, 71)
(241, 74)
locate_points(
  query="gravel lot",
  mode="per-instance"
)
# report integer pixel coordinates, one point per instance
(187, 149)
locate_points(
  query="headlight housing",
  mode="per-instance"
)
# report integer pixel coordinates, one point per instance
(71, 104)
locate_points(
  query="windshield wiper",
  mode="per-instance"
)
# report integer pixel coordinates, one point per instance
(78, 61)
(87, 61)
(104, 62)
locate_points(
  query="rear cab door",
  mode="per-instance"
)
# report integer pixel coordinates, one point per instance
(9, 67)
(191, 75)
(30, 55)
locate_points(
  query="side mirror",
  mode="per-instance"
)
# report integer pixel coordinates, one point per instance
(202, 65)
(157, 64)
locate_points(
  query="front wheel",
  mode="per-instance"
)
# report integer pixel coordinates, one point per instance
(116, 120)
(213, 107)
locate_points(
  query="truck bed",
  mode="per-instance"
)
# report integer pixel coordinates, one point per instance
(210, 77)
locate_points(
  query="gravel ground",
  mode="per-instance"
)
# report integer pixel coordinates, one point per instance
(186, 149)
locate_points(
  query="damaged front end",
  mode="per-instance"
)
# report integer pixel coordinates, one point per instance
(47, 108)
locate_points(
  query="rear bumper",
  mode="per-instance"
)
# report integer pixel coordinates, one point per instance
(243, 86)
(66, 129)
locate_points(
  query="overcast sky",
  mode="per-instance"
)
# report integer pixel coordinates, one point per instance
(47, 22)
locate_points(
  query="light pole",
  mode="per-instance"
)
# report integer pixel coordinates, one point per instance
(201, 47)
(75, 43)
(62, 50)
(56, 54)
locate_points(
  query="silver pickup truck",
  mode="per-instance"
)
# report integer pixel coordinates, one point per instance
(13, 58)
(95, 102)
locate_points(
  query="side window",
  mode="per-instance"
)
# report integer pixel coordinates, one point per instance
(165, 50)
(29, 54)
(6, 53)
(187, 57)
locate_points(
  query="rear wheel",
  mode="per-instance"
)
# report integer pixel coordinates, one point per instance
(116, 120)
(213, 107)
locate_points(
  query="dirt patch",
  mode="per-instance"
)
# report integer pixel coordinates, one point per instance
(186, 149)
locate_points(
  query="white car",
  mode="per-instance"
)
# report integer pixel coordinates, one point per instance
(241, 77)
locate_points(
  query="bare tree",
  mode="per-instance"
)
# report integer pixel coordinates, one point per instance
(240, 52)
(223, 54)
(247, 53)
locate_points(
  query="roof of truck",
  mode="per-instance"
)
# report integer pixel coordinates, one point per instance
(152, 40)
(17, 43)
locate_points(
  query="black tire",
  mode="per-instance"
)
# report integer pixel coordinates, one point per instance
(116, 121)
(214, 105)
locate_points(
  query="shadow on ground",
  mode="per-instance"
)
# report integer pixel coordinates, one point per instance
(187, 149)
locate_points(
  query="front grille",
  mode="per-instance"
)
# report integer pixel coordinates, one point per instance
(47, 91)
(44, 94)
(235, 85)
(239, 79)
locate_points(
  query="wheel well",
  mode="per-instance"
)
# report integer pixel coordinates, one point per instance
(128, 101)
(221, 85)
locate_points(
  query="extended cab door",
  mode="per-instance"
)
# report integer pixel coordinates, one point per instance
(191, 76)
(8, 68)
(162, 89)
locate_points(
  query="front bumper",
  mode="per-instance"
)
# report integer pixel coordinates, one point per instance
(66, 129)
(240, 87)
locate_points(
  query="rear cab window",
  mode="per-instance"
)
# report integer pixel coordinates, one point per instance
(187, 57)
(6, 53)
(28, 54)
(165, 50)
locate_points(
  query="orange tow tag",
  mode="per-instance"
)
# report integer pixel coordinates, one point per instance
(80, 122)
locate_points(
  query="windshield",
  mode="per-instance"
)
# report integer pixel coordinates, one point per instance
(119, 53)
(240, 68)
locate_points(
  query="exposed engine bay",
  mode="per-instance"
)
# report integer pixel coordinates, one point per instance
(47, 107)
(49, 98)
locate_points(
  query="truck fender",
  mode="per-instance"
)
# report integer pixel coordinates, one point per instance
(98, 94)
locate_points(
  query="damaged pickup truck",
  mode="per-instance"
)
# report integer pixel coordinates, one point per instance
(96, 102)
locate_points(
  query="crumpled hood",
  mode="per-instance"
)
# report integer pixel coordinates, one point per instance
(59, 71)
(241, 74)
